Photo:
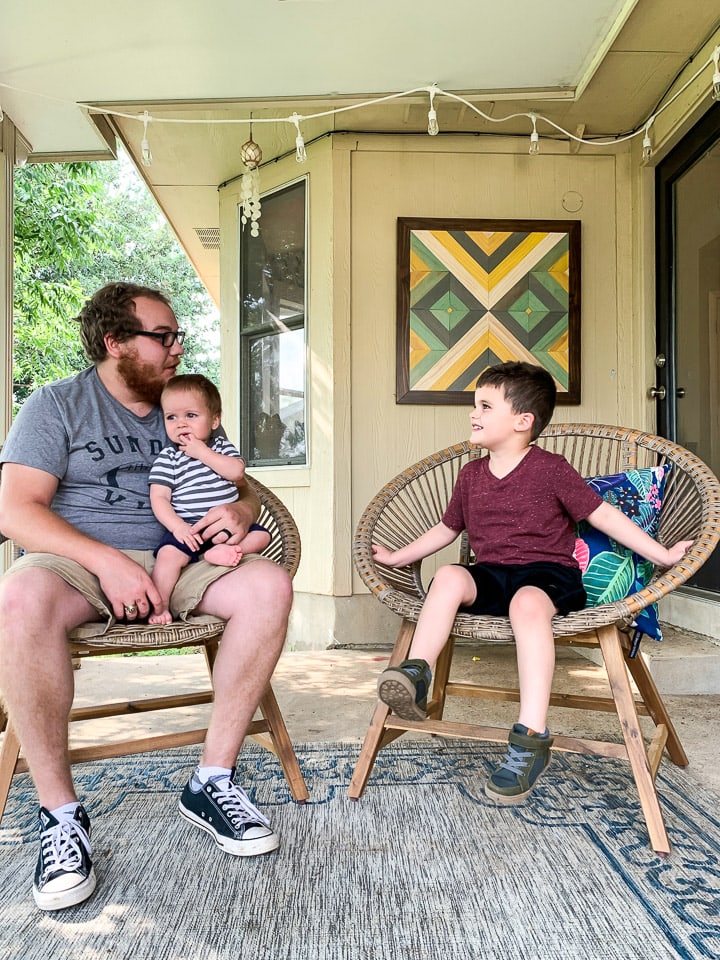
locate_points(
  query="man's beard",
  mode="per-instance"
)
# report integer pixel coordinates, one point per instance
(141, 378)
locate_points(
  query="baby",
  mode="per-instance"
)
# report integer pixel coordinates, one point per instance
(189, 477)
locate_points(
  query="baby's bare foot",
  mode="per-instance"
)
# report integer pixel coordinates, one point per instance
(161, 618)
(223, 555)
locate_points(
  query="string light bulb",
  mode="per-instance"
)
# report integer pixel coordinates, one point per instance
(647, 144)
(433, 128)
(716, 74)
(146, 157)
(300, 152)
(534, 138)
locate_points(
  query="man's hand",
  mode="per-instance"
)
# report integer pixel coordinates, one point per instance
(130, 590)
(230, 520)
(228, 523)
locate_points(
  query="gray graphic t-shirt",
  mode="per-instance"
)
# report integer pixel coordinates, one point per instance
(100, 452)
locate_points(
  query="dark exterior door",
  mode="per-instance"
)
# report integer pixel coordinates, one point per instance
(687, 386)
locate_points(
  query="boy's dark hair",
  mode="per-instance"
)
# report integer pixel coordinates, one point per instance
(112, 310)
(527, 388)
(196, 381)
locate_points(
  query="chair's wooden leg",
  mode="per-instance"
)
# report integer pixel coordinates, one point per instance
(375, 738)
(612, 652)
(281, 743)
(369, 751)
(440, 679)
(283, 746)
(654, 703)
(210, 649)
(8, 761)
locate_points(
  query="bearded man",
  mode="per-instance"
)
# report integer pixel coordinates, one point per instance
(75, 496)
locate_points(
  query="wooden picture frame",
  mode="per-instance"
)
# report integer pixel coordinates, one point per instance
(473, 293)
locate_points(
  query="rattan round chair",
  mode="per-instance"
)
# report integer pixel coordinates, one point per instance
(204, 632)
(416, 499)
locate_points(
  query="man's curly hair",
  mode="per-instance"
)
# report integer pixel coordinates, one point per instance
(112, 310)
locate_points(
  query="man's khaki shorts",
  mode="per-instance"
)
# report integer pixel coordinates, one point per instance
(194, 580)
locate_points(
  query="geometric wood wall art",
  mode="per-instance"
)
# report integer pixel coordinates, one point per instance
(473, 293)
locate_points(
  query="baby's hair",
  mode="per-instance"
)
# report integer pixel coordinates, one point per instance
(527, 388)
(200, 384)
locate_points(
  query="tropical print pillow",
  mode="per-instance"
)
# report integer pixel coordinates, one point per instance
(610, 570)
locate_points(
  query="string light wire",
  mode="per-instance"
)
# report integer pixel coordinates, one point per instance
(432, 90)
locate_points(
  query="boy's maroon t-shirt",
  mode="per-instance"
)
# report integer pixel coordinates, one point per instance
(529, 516)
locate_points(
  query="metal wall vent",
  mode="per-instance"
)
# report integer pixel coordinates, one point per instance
(209, 237)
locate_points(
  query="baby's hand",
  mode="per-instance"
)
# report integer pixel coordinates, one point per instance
(382, 555)
(676, 553)
(191, 446)
(185, 535)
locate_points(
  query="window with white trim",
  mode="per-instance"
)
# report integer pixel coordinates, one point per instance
(273, 301)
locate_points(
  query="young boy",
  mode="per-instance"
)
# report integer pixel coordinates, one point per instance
(189, 478)
(519, 505)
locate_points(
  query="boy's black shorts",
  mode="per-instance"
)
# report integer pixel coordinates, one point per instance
(498, 583)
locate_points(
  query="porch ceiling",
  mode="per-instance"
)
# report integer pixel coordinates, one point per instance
(602, 66)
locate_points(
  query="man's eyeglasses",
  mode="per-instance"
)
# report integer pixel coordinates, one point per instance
(167, 339)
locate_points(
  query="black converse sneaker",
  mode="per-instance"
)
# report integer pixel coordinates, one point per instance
(64, 874)
(223, 809)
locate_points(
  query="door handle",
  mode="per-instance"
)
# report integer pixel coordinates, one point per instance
(657, 393)
(680, 392)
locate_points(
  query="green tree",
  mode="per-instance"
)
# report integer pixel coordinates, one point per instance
(145, 250)
(57, 231)
(77, 227)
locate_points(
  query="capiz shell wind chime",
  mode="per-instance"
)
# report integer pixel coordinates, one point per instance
(251, 155)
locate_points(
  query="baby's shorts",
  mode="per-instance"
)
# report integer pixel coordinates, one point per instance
(169, 540)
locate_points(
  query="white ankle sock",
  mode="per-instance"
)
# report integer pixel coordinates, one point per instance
(204, 774)
(66, 811)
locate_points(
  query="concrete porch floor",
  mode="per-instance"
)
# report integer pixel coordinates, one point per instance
(330, 694)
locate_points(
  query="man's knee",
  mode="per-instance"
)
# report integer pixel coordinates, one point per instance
(275, 584)
(23, 591)
(261, 582)
(37, 594)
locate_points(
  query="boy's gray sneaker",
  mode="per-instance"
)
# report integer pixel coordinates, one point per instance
(64, 875)
(224, 809)
(527, 758)
(405, 689)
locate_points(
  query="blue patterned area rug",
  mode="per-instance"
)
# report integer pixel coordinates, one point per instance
(424, 866)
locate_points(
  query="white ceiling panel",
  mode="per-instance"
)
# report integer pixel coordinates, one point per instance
(56, 54)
